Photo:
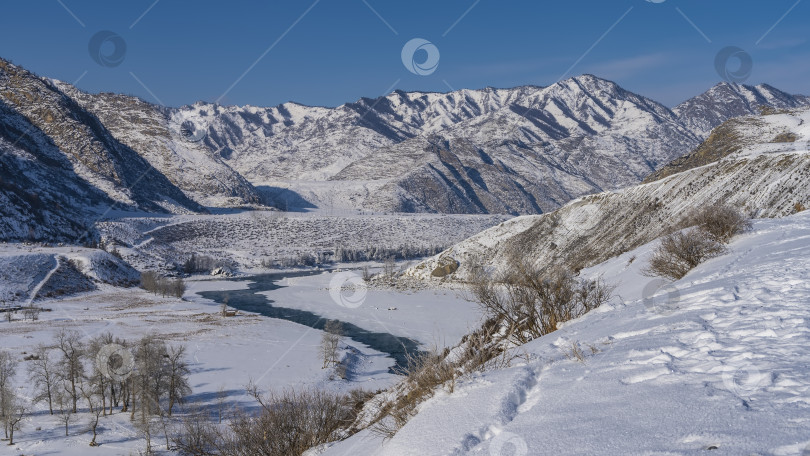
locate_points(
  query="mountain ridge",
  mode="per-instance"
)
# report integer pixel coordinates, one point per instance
(521, 150)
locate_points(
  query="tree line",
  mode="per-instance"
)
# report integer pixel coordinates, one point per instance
(146, 378)
(157, 284)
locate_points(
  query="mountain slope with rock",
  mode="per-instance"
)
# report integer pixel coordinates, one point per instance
(163, 137)
(524, 150)
(763, 177)
(94, 153)
(517, 151)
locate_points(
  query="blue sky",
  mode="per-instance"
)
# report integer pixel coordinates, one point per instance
(334, 51)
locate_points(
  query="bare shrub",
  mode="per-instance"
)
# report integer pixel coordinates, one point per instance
(679, 252)
(721, 222)
(198, 436)
(786, 137)
(531, 303)
(798, 207)
(292, 422)
(288, 423)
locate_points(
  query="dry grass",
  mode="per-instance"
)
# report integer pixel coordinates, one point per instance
(575, 353)
(787, 137)
(429, 371)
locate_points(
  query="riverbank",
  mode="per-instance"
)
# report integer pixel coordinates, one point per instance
(226, 353)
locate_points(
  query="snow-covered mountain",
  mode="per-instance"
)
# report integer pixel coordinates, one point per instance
(159, 136)
(727, 100)
(761, 167)
(524, 150)
(62, 167)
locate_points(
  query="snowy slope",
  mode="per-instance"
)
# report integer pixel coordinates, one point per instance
(715, 361)
(155, 133)
(39, 108)
(762, 177)
(29, 272)
(522, 150)
(727, 100)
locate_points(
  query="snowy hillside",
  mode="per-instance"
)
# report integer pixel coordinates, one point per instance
(727, 100)
(246, 239)
(95, 155)
(715, 361)
(519, 151)
(29, 273)
(158, 135)
(761, 175)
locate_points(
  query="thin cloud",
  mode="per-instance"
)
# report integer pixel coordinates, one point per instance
(632, 66)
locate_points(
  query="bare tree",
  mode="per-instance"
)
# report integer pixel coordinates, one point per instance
(330, 342)
(149, 281)
(71, 368)
(31, 312)
(177, 288)
(178, 370)
(149, 377)
(42, 374)
(222, 395)
(14, 412)
(144, 427)
(96, 409)
(389, 267)
(8, 368)
(63, 410)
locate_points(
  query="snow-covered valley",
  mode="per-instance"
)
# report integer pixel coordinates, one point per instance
(226, 353)
(715, 361)
(232, 280)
